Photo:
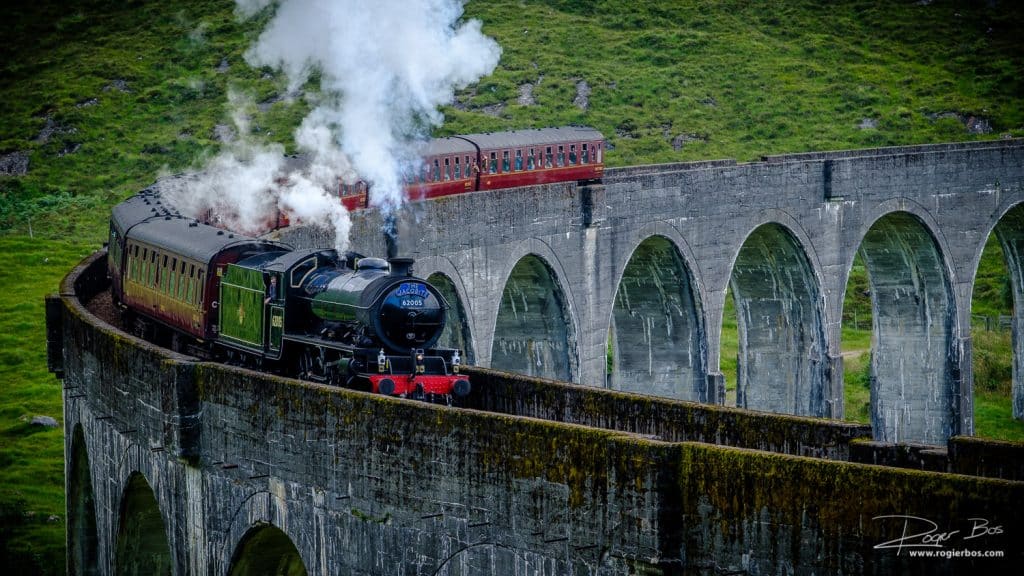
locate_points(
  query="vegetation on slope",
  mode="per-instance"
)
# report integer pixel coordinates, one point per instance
(98, 98)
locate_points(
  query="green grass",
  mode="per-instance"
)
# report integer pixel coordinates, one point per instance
(125, 91)
(31, 457)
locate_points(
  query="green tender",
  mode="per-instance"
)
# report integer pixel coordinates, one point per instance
(241, 306)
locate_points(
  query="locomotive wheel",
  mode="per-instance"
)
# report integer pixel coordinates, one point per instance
(311, 365)
(305, 364)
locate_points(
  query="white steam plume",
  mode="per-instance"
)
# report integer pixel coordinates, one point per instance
(385, 66)
(245, 186)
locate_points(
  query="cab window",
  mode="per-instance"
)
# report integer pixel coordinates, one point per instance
(301, 271)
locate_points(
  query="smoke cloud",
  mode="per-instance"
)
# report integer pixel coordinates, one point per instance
(384, 67)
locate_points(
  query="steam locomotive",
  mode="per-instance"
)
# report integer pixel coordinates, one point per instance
(314, 314)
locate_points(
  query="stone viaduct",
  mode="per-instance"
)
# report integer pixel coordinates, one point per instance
(546, 280)
(177, 466)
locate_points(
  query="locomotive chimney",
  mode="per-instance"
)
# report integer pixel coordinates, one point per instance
(401, 266)
(390, 236)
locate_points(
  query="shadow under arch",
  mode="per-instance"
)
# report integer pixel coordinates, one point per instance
(533, 333)
(913, 384)
(1009, 232)
(456, 331)
(142, 548)
(266, 550)
(783, 352)
(657, 339)
(83, 541)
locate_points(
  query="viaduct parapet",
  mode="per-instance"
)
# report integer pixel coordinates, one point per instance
(555, 280)
(181, 467)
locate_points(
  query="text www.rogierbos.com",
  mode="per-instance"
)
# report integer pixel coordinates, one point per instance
(921, 538)
(962, 553)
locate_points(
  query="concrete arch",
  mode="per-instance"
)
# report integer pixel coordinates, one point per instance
(457, 332)
(142, 547)
(783, 363)
(534, 326)
(915, 378)
(83, 538)
(657, 324)
(1009, 230)
(266, 551)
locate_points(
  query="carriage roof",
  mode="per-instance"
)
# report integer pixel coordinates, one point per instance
(195, 240)
(510, 139)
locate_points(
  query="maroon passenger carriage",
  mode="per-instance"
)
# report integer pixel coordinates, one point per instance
(473, 162)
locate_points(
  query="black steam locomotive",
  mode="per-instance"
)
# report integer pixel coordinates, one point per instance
(315, 314)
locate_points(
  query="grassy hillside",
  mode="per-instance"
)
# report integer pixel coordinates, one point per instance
(99, 97)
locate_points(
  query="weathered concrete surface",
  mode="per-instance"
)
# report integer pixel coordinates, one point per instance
(193, 465)
(783, 232)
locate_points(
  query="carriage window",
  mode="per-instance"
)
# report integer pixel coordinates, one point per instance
(131, 263)
(494, 163)
(163, 274)
(152, 269)
(547, 157)
(199, 286)
(561, 155)
(519, 160)
(586, 155)
(447, 169)
(572, 154)
(504, 161)
(437, 171)
(458, 169)
(597, 153)
(181, 282)
(530, 161)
